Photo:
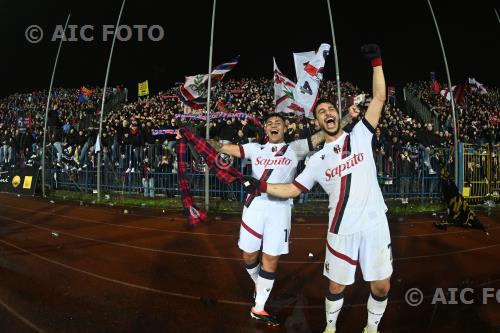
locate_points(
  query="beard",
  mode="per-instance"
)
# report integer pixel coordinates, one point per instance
(329, 132)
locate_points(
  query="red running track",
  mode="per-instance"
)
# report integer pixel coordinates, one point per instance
(71, 268)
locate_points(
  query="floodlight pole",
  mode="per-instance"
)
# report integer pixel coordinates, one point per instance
(48, 104)
(337, 72)
(455, 138)
(99, 154)
(207, 131)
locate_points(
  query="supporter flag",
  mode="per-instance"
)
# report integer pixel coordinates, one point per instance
(435, 87)
(359, 99)
(309, 78)
(86, 92)
(391, 94)
(82, 98)
(98, 144)
(300, 60)
(478, 86)
(143, 89)
(194, 90)
(458, 93)
(284, 100)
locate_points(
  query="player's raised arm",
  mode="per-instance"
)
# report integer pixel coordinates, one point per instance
(229, 149)
(372, 53)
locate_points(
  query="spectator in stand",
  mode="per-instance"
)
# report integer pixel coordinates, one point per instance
(148, 179)
(394, 150)
(405, 168)
(378, 146)
(428, 140)
(57, 139)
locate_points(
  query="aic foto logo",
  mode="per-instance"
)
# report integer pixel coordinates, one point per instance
(89, 33)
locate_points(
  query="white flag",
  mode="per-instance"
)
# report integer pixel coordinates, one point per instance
(479, 86)
(283, 93)
(446, 93)
(309, 79)
(300, 60)
(97, 145)
(359, 99)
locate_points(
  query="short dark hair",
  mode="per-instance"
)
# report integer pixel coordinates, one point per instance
(320, 101)
(271, 115)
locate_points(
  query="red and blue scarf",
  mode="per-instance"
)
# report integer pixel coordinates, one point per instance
(225, 172)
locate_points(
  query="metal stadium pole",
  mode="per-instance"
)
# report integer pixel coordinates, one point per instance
(207, 132)
(99, 154)
(455, 139)
(48, 105)
(339, 99)
(496, 13)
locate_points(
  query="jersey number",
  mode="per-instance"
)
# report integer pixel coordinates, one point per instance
(286, 235)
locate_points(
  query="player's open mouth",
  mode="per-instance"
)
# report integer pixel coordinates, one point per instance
(274, 132)
(330, 122)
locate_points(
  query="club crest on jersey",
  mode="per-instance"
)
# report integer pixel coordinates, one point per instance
(336, 149)
(274, 149)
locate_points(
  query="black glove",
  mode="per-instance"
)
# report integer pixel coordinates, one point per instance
(252, 185)
(372, 52)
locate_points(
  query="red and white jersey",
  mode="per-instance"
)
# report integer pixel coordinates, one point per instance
(275, 163)
(345, 169)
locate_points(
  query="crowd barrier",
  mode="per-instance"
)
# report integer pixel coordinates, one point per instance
(479, 175)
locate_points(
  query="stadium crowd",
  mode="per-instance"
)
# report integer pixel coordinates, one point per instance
(403, 146)
(477, 110)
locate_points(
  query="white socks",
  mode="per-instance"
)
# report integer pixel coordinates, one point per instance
(333, 305)
(253, 270)
(264, 285)
(376, 306)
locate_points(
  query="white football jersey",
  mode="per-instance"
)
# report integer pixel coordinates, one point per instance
(345, 169)
(275, 163)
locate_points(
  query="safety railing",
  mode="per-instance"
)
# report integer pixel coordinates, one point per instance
(415, 182)
(477, 172)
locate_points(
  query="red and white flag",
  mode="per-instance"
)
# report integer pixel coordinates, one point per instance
(309, 79)
(284, 100)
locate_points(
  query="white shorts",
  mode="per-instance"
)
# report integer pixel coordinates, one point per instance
(266, 224)
(370, 248)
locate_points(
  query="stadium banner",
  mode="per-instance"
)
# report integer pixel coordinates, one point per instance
(143, 89)
(19, 180)
(219, 115)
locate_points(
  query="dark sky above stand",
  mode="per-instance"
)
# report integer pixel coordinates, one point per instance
(257, 31)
